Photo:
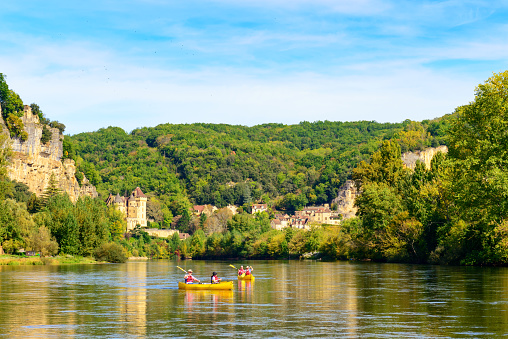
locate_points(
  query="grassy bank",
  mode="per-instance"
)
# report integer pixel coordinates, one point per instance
(14, 260)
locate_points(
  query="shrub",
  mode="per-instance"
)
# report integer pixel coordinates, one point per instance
(111, 252)
(46, 135)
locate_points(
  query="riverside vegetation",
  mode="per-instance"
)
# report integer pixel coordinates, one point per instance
(451, 213)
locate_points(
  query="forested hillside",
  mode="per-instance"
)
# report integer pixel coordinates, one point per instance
(288, 166)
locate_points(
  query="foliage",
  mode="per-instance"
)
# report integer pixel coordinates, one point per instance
(51, 190)
(5, 155)
(12, 109)
(111, 252)
(20, 192)
(15, 225)
(41, 241)
(46, 135)
(224, 164)
(57, 125)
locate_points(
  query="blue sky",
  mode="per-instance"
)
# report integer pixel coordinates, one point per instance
(93, 64)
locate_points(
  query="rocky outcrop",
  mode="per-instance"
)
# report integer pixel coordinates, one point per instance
(33, 163)
(411, 158)
(346, 200)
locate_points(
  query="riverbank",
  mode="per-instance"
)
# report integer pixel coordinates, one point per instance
(13, 260)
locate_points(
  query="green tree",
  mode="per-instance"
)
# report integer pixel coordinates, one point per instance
(479, 153)
(5, 155)
(117, 224)
(40, 240)
(51, 190)
(46, 135)
(15, 224)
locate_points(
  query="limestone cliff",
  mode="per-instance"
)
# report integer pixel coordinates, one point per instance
(410, 158)
(33, 163)
(346, 200)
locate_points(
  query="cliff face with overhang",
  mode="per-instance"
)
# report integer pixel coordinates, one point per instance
(33, 163)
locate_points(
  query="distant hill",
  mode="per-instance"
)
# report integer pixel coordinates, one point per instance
(286, 165)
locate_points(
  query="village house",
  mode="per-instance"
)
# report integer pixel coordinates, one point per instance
(259, 208)
(132, 207)
(280, 221)
(320, 214)
(204, 209)
(309, 215)
(232, 208)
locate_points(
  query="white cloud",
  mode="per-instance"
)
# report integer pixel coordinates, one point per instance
(86, 85)
(147, 97)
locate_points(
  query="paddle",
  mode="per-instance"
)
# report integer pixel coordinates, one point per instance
(186, 272)
(237, 269)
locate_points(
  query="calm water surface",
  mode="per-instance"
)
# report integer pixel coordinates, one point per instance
(287, 300)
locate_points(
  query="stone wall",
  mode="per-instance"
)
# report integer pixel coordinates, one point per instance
(155, 232)
(33, 163)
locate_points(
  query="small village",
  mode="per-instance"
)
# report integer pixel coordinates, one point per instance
(134, 209)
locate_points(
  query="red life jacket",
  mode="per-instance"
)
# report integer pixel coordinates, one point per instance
(189, 278)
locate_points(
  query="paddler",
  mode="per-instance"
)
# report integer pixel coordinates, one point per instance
(189, 279)
(241, 271)
(215, 279)
(248, 270)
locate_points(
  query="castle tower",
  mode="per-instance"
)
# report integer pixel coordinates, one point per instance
(133, 207)
(120, 204)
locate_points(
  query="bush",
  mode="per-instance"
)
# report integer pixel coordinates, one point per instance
(111, 252)
(46, 135)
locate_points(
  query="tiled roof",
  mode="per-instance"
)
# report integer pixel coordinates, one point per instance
(138, 193)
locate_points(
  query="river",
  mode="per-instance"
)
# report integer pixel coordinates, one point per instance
(288, 299)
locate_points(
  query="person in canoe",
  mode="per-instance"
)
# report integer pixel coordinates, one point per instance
(248, 270)
(215, 279)
(189, 278)
(241, 271)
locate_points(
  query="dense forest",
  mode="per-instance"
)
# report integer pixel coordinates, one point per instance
(287, 167)
(451, 213)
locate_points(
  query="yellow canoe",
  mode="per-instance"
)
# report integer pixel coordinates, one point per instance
(227, 285)
(246, 277)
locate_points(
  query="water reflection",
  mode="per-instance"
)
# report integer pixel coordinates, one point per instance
(287, 299)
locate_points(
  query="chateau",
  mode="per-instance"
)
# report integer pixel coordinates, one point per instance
(133, 207)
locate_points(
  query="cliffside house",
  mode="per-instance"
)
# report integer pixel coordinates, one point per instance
(133, 207)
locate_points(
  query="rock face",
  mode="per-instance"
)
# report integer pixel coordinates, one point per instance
(33, 163)
(410, 158)
(346, 200)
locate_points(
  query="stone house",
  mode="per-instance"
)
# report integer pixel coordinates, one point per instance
(259, 208)
(320, 214)
(206, 209)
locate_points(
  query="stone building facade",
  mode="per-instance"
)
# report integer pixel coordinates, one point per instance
(133, 207)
